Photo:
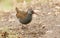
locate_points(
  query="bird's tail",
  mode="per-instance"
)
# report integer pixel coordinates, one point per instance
(17, 10)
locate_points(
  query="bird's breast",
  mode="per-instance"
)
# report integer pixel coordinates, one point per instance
(26, 20)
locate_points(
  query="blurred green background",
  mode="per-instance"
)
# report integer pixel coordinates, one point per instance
(8, 4)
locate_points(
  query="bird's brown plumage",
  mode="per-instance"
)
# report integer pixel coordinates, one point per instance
(24, 17)
(21, 14)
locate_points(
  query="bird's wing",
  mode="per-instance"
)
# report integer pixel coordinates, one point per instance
(21, 14)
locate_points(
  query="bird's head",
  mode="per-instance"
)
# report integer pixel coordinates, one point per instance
(31, 11)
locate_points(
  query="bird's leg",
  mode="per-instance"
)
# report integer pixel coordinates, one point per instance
(24, 26)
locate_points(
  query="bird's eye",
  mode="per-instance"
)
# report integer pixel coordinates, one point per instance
(32, 12)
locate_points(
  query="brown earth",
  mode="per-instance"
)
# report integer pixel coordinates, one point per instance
(44, 25)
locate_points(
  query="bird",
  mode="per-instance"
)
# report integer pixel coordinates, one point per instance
(24, 17)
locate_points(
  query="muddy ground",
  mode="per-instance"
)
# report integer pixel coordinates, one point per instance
(44, 25)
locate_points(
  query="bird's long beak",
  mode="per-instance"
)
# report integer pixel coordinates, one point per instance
(35, 13)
